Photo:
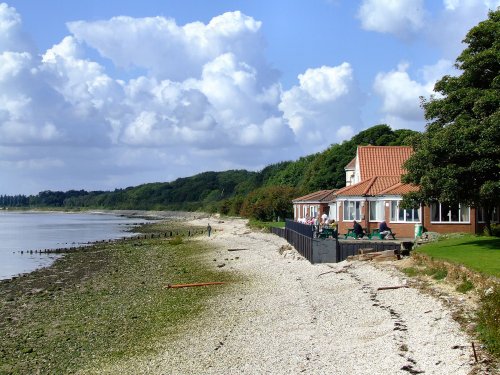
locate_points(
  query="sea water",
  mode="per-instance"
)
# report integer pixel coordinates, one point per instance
(23, 232)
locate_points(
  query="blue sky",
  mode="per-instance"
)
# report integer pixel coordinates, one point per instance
(99, 95)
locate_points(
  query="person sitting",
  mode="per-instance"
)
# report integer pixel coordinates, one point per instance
(326, 223)
(384, 230)
(357, 229)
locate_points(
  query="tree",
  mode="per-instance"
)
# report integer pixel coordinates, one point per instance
(270, 202)
(457, 158)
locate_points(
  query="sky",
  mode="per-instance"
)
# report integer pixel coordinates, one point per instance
(100, 95)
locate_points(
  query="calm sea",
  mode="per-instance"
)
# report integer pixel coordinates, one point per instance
(24, 231)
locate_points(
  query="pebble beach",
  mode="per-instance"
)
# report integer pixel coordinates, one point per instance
(287, 316)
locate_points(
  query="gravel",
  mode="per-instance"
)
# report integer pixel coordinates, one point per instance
(286, 319)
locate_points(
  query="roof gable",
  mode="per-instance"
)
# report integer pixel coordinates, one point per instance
(351, 165)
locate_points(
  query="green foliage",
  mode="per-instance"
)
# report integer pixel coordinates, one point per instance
(410, 271)
(488, 319)
(457, 158)
(495, 230)
(465, 286)
(253, 223)
(269, 203)
(437, 273)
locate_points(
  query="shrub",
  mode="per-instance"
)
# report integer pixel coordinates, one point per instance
(465, 286)
(437, 273)
(410, 271)
(488, 319)
(495, 230)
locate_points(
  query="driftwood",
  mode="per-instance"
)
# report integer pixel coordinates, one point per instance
(169, 286)
(342, 270)
(392, 287)
(474, 350)
(236, 249)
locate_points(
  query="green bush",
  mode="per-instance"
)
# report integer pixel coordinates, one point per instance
(410, 271)
(488, 319)
(465, 286)
(495, 230)
(437, 273)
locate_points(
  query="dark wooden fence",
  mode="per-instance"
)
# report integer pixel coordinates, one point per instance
(303, 229)
(317, 250)
(300, 236)
(278, 231)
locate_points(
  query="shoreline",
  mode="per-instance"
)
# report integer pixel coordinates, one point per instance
(288, 316)
(71, 245)
(277, 313)
(104, 301)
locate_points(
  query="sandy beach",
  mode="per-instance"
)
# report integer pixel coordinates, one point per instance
(287, 316)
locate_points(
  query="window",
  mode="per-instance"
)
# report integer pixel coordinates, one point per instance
(313, 210)
(352, 210)
(446, 213)
(404, 215)
(333, 211)
(481, 215)
(377, 212)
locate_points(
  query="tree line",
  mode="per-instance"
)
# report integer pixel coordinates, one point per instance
(265, 195)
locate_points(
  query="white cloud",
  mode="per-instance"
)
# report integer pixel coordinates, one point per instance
(399, 17)
(171, 51)
(224, 109)
(400, 93)
(12, 37)
(449, 28)
(326, 100)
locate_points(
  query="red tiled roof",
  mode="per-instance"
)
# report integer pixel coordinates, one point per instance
(318, 196)
(399, 189)
(372, 186)
(382, 160)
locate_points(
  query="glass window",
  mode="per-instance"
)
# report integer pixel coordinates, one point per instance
(464, 214)
(352, 210)
(333, 211)
(481, 215)
(404, 215)
(377, 210)
(446, 213)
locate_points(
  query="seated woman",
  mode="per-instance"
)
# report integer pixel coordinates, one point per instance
(357, 229)
(384, 230)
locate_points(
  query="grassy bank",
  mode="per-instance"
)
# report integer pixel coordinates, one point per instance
(265, 224)
(481, 254)
(100, 305)
(471, 264)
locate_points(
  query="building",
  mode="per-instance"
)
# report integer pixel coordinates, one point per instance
(374, 191)
(310, 205)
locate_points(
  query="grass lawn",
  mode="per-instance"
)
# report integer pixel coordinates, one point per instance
(481, 254)
(266, 224)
